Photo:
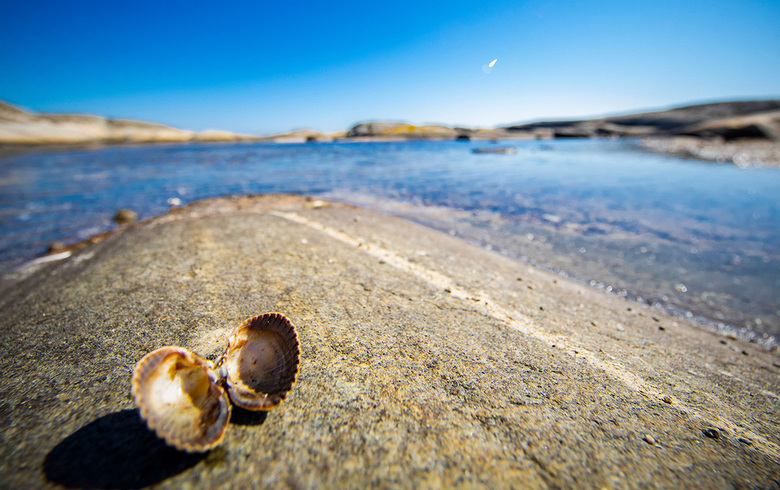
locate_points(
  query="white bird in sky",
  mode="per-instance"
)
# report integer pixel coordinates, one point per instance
(492, 63)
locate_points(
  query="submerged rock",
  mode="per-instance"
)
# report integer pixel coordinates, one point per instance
(502, 149)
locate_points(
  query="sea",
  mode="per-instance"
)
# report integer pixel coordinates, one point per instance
(697, 239)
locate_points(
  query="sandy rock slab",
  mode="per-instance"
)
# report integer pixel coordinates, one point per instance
(425, 362)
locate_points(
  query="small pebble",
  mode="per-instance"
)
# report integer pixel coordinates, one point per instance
(668, 399)
(712, 433)
(747, 442)
(124, 216)
(531, 288)
(744, 352)
(649, 439)
(56, 247)
(723, 342)
(661, 328)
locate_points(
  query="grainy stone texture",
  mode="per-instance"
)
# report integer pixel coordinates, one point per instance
(426, 362)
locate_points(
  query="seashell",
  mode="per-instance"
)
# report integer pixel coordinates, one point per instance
(181, 399)
(182, 396)
(261, 361)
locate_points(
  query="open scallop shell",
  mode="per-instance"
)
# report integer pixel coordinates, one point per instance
(261, 361)
(180, 397)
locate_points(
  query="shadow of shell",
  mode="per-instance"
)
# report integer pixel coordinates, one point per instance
(115, 451)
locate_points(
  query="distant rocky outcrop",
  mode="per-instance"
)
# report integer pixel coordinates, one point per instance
(386, 129)
(721, 120)
(402, 130)
(725, 120)
(21, 127)
(305, 135)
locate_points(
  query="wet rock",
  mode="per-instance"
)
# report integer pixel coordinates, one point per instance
(503, 149)
(125, 216)
(56, 247)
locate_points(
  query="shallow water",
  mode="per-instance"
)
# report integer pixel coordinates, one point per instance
(698, 238)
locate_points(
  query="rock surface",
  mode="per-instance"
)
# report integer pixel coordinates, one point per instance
(426, 362)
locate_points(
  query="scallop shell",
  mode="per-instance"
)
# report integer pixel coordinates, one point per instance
(180, 397)
(261, 361)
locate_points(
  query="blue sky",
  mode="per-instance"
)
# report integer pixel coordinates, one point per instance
(266, 67)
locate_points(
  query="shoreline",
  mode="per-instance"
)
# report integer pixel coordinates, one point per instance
(8, 150)
(429, 217)
(726, 320)
(446, 220)
(743, 132)
(742, 153)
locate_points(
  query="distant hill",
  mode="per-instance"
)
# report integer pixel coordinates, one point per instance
(22, 127)
(727, 120)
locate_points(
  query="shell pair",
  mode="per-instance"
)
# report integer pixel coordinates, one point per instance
(183, 397)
